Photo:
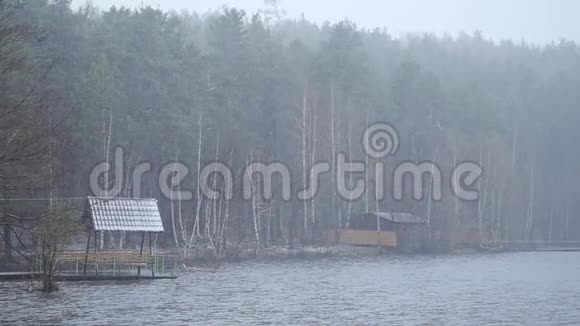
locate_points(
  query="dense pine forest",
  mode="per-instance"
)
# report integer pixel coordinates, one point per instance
(236, 87)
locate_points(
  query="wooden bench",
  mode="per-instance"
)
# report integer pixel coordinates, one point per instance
(130, 258)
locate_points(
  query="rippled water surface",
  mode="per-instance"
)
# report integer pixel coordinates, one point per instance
(498, 289)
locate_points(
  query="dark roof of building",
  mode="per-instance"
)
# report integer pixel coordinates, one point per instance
(125, 214)
(397, 217)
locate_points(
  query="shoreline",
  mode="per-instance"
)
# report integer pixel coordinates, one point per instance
(282, 253)
(277, 253)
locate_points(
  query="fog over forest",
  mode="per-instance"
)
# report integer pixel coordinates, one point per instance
(236, 87)
(530, 20)
(289, 162)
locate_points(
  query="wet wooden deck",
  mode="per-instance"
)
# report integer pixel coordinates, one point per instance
(26, 276)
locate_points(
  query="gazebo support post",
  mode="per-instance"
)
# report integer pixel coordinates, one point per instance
(379, 232)
(96, 252)
(141, 253)
(151, 255)
(87, 253)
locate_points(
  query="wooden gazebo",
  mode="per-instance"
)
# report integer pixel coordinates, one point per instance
(121, 214)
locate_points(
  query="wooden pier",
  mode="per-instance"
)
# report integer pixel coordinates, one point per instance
(543, 246)
(28, 276)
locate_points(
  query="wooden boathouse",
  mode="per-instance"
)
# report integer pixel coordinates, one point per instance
(402, 231)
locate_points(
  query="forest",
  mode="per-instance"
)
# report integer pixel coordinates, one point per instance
(237, 87)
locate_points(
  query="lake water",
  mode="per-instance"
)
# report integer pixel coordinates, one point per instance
(494, 289)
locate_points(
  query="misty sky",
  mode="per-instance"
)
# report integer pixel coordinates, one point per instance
(539, 21)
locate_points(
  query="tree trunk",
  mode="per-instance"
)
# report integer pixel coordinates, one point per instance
(530, 218)
(304, 167)
(174, 227)
(8, 239)
(313, 160)
(195, 231)
(455, 223)
(107, 150)
(333, 151)
(350, 181)
(367, 193)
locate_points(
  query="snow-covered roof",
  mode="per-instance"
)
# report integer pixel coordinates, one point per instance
(397, 217)
(125, 214)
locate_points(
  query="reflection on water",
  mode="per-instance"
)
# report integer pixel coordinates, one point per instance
(499, 289)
